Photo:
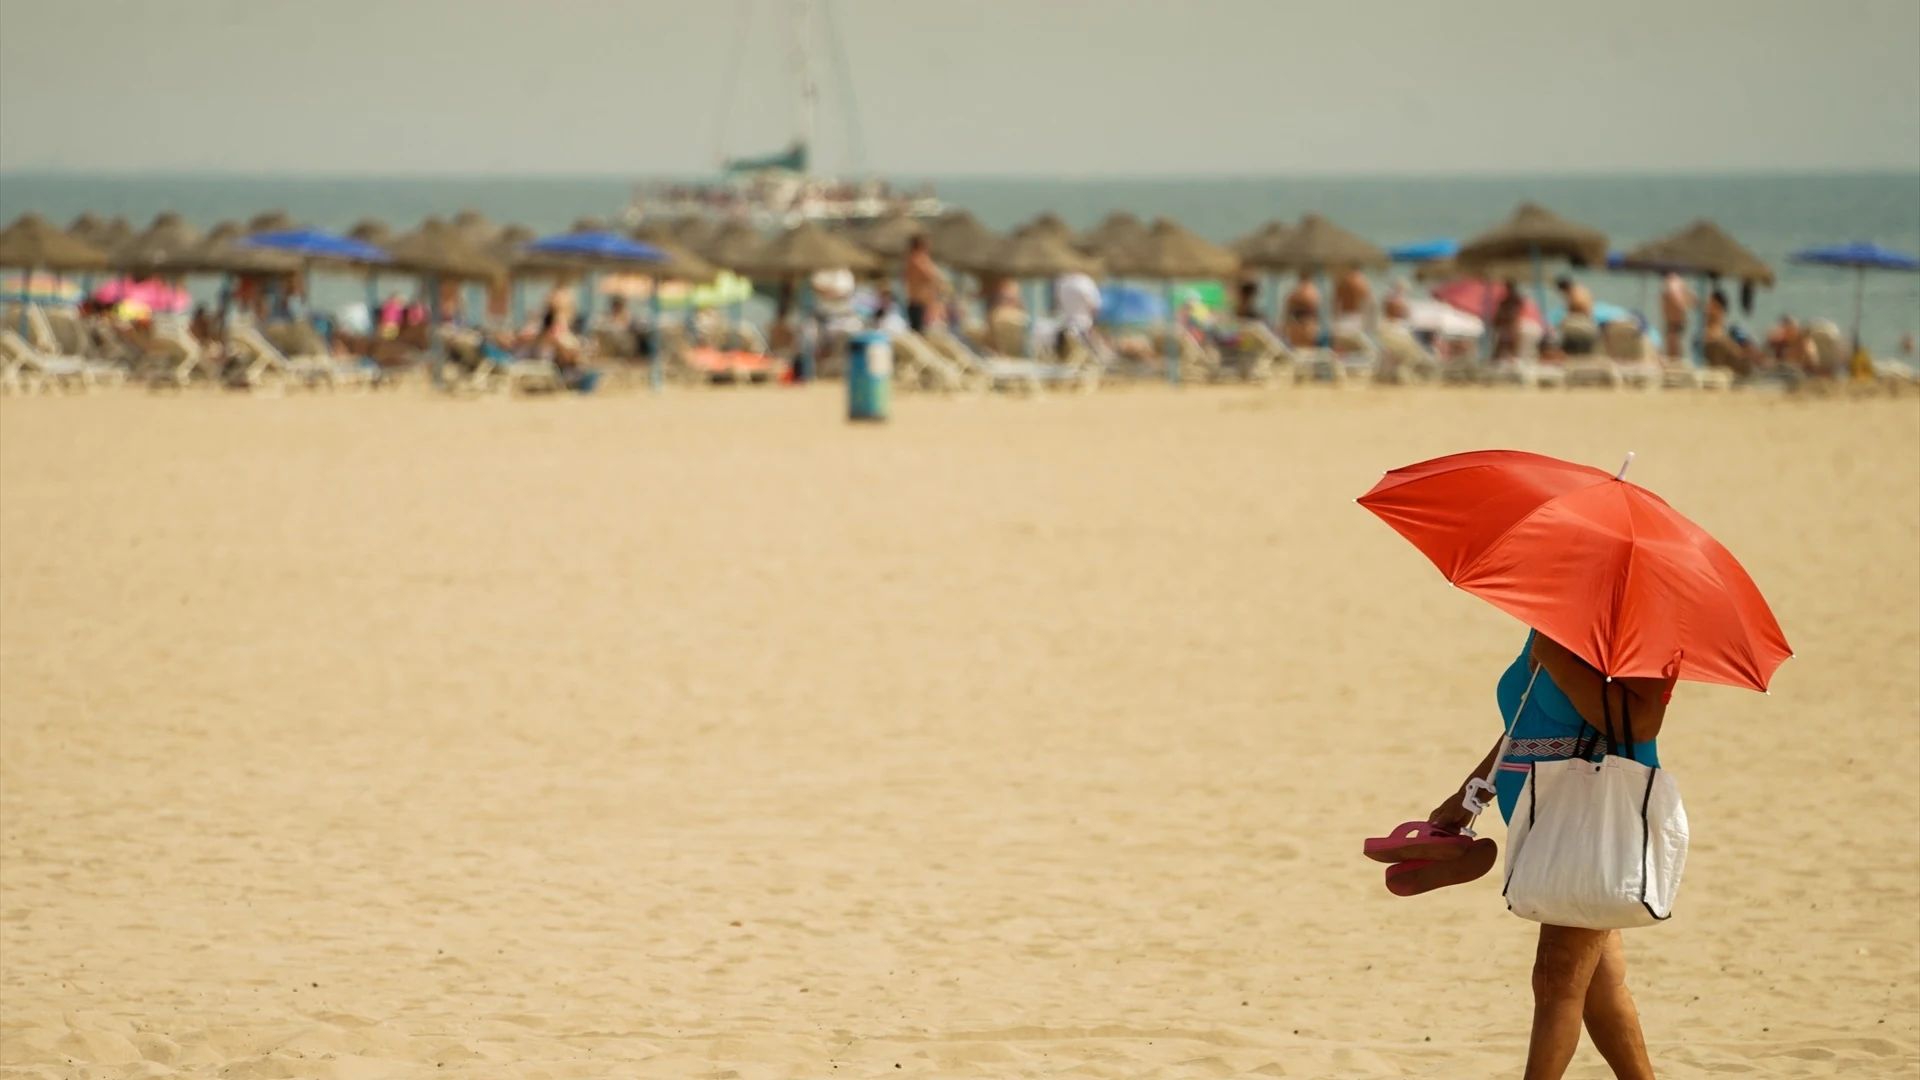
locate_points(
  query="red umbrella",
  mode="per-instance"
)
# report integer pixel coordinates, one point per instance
(1481, 299)
(1600, 565)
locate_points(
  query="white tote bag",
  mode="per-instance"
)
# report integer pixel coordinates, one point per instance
(1599, 844)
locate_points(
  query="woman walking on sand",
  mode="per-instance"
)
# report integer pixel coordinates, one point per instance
(1579, 975)
(1625, 597)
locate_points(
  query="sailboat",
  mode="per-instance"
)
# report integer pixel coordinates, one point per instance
(779, 189)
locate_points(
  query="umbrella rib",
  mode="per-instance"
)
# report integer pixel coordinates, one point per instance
(1620, 586)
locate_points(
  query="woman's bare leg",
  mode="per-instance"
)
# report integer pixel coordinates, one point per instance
(1563, 967)
(1612, 1022)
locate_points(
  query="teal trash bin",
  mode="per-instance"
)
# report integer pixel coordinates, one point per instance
(869, 376)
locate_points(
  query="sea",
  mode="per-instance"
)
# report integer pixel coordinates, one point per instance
(1772, 214)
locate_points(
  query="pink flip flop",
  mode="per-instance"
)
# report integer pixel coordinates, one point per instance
(1417, 876)
(1417, 840)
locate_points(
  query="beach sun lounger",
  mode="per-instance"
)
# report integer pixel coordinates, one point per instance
(917, 365)
(27, 370)
(270, 366)
(1082, 373)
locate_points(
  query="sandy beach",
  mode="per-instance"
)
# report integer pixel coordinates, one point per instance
(705, 735)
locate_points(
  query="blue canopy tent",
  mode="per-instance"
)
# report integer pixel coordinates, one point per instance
(1859, 256)
(598, 247)
(595, 249)
(314, 244)
(1438, 249)
(1131, 305)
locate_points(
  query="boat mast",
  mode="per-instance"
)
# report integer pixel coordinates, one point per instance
(806, 89)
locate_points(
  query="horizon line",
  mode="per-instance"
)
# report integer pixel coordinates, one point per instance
(1055, 178)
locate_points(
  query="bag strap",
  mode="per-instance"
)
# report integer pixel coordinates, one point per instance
(1626, 721)
(1477, 787)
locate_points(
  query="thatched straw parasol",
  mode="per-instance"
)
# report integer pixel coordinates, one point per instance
(475, 228)
(693, 233)
(1050, 225)
(1318, 244)
(958, 236)
(1700, 248)
(1258, 246)
(890, 236)
(371, 231)
(513, 236)
(87, 228)
(437, 249)
(1033, 254)
(31, 243)
(683, 264)
(168, 245)
(588, 224)
(1171, 251)
(272, 221)
(221, 253)
(734, 247)
(1110, 239)
(1534, 232)
(807, 248)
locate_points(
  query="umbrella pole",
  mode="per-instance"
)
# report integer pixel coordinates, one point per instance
(1489, 335)
(1326, 308)
(1859, 303)
(1173, 330)
(808, 342)
(1539, 281)
(373, 297)
(1699, 350)
(656, 371)
(517, 303)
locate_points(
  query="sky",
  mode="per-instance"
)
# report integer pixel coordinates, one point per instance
(1078, 88)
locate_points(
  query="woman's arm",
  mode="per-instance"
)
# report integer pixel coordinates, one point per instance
(1452, 812)
(1647, 698)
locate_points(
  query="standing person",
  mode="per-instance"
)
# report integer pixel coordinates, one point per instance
(925, 283)
(1676, 306)
(1506, 321)
(1579, 975)
(1303, 313)
(1076, 298)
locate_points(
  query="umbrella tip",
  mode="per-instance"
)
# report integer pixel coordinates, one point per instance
(1621, 475)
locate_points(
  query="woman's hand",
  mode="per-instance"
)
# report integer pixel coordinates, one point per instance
(1451, 814)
